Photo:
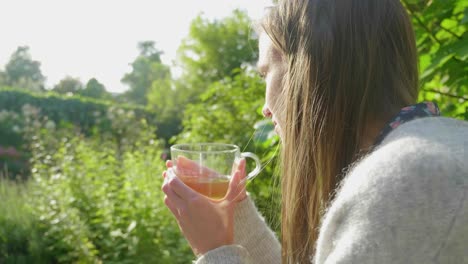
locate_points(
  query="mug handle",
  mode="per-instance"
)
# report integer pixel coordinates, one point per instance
(258, 165)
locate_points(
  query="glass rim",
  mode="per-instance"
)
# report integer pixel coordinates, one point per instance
(189, 148)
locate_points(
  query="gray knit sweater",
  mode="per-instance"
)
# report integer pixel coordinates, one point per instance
(406, 202)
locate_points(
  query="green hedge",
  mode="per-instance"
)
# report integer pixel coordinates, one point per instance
(84, 112)
(88, 115)
(80, 111)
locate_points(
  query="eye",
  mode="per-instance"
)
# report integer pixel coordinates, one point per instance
(262, 75)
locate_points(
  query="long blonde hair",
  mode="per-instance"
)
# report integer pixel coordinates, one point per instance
(351, 63)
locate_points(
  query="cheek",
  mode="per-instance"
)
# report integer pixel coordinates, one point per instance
(274, 93)
(270, 98)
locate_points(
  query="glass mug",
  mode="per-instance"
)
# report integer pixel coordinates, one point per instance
(208, 168)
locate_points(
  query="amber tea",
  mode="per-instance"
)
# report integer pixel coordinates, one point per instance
(207, 167)
(213, 188)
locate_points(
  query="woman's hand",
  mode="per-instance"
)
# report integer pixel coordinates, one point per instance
(205, 223)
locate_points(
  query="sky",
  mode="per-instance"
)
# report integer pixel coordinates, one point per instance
(98, 38)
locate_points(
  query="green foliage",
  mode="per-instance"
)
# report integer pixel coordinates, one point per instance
(227, 110)
(23, 72)
(151, 86)
(95, 89)
(20, 240)
(73, 86)
(168, 104)
(442, 40)
(101, 200)
(93, 199)
(146, 69)
(85, 113)
(214, 49)
(68, 85)
(162, 99)
(11, 142)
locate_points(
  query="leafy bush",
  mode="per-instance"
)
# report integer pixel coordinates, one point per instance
(10, 142)
(20, 240)
(91, 199)
(90, 117)
(99, 200)
(13, 153)
(442, 41)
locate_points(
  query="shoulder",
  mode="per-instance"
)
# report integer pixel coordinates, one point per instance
(418, 152)
(426, 155)
(427, 146)
(403, 198)
(448, 132)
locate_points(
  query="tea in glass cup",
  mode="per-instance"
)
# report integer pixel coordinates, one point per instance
(208, 168)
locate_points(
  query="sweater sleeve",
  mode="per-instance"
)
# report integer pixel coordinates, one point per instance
(405, 203)
(254, 241)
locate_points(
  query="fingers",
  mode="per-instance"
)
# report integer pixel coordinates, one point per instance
(168, 165)
(241, 167)
(237, 185)
(168, 202)
(182, 190)
(187, 166)
(167, 189)
(174, 202)
(236, 189)
(168, 174)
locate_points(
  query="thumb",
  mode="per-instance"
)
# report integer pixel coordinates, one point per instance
(236, 190)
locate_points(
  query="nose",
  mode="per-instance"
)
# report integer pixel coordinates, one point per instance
(266, 112)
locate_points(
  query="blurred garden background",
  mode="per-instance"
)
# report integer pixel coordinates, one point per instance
(80, 166)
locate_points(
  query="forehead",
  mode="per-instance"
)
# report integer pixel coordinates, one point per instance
(268, 53)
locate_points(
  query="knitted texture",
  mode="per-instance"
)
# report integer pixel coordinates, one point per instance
(406, 202)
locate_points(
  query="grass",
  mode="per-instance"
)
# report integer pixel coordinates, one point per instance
(16, 222)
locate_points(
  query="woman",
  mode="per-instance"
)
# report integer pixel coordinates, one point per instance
(365, 179)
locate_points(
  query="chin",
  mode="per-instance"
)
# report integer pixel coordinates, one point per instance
(277, 131)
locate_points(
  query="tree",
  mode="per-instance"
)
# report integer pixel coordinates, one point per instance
(146, 69)
(214, 49)
(3, 79)
(442, 40)
(148, 49)
(167, 103)
(162, 99)
(23, 72)
(68, 85)
(95, 89)
(227, 111)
